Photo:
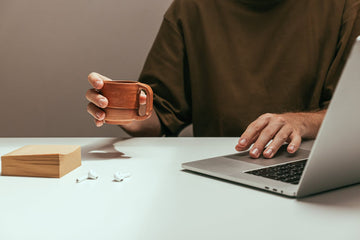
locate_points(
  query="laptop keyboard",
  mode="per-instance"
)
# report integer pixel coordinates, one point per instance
(288, 172)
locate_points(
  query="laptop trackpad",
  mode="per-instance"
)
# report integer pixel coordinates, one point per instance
(282, 156)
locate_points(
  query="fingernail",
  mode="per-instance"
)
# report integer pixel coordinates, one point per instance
(99, 115)
(255, 151)
(291, 148)
(242, 141)
(98, 124)
(269, 152)
(97, 83)
(102, 102)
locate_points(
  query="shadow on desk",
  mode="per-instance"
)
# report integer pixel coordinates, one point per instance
(236, 183)
(347, 197)
(102, 150)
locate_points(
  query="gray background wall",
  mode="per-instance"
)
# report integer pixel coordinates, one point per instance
(47, 49)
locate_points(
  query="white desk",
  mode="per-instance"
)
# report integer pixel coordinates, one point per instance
(160, 201)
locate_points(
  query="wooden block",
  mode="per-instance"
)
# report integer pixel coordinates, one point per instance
(53, 161)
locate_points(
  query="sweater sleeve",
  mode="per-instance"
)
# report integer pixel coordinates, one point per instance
(166, 71)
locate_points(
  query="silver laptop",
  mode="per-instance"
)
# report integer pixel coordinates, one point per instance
(334, 160)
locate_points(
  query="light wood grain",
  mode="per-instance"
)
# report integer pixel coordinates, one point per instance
(52, 161)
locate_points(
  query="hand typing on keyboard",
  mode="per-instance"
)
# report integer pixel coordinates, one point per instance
(280, 128)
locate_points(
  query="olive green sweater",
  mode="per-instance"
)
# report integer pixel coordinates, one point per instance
(219, 64)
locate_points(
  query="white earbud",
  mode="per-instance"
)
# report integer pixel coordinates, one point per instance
(118, 176)
(91, 175)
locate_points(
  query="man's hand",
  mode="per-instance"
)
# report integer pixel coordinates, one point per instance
(280, 128)
(98, 101)
(149, 127)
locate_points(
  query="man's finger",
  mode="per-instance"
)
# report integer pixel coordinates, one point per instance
(97, 80)
(99, 100)
(294, 143)
(242, 148)
(264, 138)
(99, 123)
(279, 139)
(142, 98)
(96, 112)
(251, 132)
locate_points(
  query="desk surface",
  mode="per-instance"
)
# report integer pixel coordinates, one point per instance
(159, 201)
